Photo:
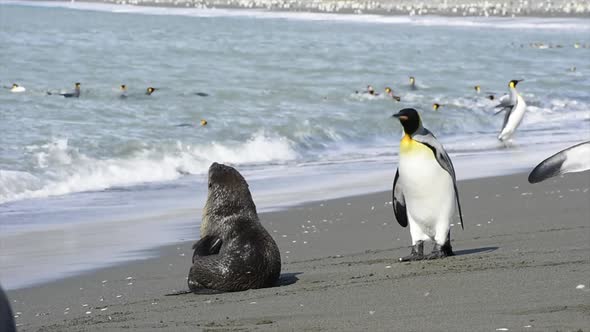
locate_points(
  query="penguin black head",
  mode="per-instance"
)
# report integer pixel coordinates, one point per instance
(123, 87)
(77, 85)
(412, 80)
(150, 90)
(387, 90)
(14, 85)
(491, 97)
(513, 83)
(410, 120)
(436, 106)
(477, 88)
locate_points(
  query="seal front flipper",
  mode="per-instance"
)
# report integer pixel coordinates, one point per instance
(207, 245)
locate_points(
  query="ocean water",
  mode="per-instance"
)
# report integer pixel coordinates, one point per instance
(98, 180)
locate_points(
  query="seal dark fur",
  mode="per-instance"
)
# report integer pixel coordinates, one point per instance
(235, 252)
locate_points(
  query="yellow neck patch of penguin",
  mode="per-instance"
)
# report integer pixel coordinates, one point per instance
(511, 84)
(409, 146)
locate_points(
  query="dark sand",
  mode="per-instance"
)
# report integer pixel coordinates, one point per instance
(519, 264)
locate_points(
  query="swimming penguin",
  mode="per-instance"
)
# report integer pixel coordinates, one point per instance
(413, 83)
(203, 122)
(573, 159)
(436, 106)
(371, 91)
(17, 88)
(424, 189)
(477, 89)
(123, 91)
(74, 94)
(149, 91)
(515, 107)
(389, 92)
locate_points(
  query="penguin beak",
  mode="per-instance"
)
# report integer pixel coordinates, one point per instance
(400, 117)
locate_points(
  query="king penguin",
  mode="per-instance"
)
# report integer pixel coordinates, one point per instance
(573, 159)
(17, 88)
(514, 106)
(74, 94)
(424, 189)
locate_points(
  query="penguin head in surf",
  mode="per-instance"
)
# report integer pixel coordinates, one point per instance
(123, 87)
(436, 106)
(150, 90)
(412, 80)
(477, 88)
(77, 85)
(410, 120)
(512, 84)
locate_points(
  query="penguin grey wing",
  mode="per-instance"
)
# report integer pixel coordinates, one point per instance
(504, 102)
(399, 202)
(427, 138)
(506, 116)
(573, 159)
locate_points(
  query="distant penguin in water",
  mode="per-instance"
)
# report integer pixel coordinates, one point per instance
(514, 106)
(150, 90)
(573, 159)
(15, 88)
(123, 91)
(389, 92)
(6, 316)
(413, 83)
(477, 89)
(74, 94)
(424, 189)
(204, 122)
(371, 91)
(436, 106)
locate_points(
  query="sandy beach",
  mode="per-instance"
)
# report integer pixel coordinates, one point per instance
(522, 265)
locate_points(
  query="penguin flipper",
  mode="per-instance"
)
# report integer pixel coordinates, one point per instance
(427, 138)
(507, 115)
(399, 202)
(573, 159)
(6, 317)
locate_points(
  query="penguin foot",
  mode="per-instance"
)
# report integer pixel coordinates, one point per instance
(440, 252)
(417, 253)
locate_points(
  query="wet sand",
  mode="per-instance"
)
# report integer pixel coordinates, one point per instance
(520, 264)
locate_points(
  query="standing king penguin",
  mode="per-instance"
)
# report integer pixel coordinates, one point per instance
(424, 189)
(514, 106)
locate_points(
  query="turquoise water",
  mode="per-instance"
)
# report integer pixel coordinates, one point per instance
(281, 107)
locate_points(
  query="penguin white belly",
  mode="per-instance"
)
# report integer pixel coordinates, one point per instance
(428, 190)
(514, 120)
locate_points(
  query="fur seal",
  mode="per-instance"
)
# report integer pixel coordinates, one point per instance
(235, 252)
(6, 317)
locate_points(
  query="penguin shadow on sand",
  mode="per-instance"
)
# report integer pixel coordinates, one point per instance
(475, 251)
